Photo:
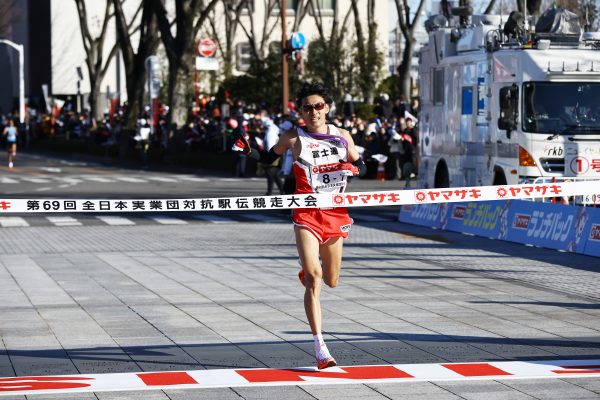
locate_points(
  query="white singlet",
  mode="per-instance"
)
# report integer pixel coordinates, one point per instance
(318, 169)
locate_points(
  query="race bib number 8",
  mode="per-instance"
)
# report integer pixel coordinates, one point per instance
(329, 178)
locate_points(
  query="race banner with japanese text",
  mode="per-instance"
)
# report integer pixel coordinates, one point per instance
(313, 200)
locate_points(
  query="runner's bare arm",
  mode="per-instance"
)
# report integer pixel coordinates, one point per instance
(352, 152)
(358, 166)
(286, 141)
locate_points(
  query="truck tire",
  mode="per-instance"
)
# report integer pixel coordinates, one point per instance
(499, 179)
(442, 178)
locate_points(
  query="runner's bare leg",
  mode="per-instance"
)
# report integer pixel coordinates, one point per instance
(308, 250)
(331, 256)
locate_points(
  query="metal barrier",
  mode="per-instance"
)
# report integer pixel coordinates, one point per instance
(579, 200)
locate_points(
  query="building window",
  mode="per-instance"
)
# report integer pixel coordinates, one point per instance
(438, 87)
(244, 56)
(326, 7)
(394, 50)
(248, 7)
(290, 7)
(467, 100)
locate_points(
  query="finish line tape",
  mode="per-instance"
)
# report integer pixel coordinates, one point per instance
(314, 200)
(219, 378)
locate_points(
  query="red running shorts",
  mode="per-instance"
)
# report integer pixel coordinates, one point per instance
(323, 224)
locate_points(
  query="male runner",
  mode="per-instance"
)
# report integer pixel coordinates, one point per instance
(324, 156)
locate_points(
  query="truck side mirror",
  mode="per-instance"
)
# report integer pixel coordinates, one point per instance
(509, 109)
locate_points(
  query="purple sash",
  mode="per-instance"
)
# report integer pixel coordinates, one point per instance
(324, 136)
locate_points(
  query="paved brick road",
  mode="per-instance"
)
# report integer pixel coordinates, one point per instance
(98, 299)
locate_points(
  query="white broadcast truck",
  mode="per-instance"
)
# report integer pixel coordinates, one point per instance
(504, 105)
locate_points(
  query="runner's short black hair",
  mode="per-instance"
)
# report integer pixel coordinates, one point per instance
(313, 88)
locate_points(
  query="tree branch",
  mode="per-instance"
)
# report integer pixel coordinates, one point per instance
(203, 14)
(123, 36)
(164, 27)
(300, 12)
(267, 35)
(490, 7)
(251, 36)
(211, 22)
(86, 37)
(111, 54)
(400, 8)
(135, 16)
(317, 17)
(107, 16)
(418, 14)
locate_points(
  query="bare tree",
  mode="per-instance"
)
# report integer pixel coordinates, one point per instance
(588, 10)
(133, 60)
(235, 14)
(490, 7)
(533, 7)
(369, 58)
(336, 28)
(407, 27)
(300, 11)
(7, 16)
(327, 54)
(230, 17)
(259, 42)
(190, 16)
(96, 64)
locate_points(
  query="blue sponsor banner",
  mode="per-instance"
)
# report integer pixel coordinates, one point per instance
(481, 218)
(591, 232)
(544, 224)
(430, 215)
(571, 228)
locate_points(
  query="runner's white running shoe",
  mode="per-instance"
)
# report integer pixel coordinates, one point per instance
(324, 359)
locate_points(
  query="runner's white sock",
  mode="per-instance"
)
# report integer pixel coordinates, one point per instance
(321, 351)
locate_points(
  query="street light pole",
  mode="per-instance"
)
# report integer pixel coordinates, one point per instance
(21, 50)
(152, 65)
(284, 61)
(79, 79)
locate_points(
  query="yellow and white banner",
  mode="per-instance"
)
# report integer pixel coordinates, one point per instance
(314, 200)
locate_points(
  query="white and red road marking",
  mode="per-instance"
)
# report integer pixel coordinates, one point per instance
(197, 379)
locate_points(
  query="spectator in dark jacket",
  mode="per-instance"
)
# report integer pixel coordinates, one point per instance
(410, 151)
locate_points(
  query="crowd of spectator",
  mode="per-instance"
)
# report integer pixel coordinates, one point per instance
(70, 125)
(390, 131)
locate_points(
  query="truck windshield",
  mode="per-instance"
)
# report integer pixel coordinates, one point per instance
(563, 108)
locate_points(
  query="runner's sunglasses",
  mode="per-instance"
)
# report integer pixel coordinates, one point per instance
(317, 106)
